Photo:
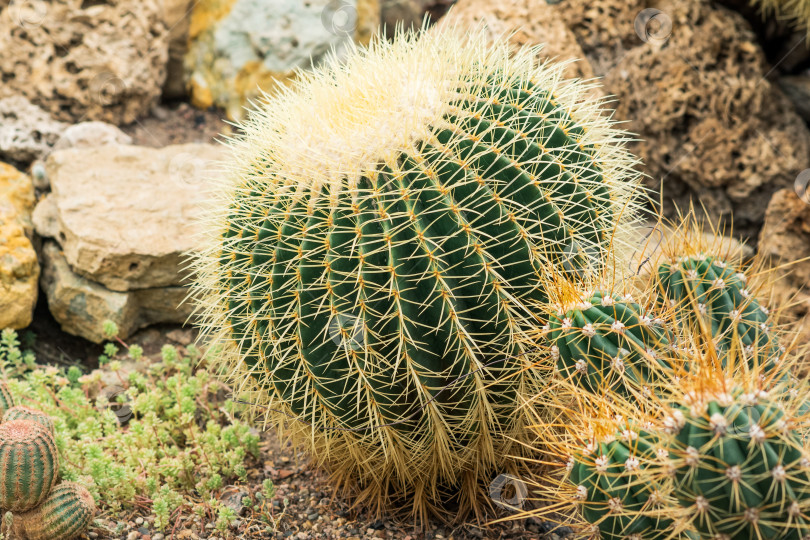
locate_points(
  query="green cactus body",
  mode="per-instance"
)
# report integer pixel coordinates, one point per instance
(29, 464)
(740, 469)
(615, 495)
(6, 399)
(68, 512)
(712, 288)
(26, 413)
(608, 343)
(384, 289)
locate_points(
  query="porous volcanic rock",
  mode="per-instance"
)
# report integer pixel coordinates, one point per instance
(785, 242)
(84, 60)
(690, 79)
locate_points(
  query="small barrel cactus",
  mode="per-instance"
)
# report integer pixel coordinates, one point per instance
(66, 513)
(6, 399)
(29, 464)
(707, 289)
(608, 343)
(372, 252)
(613, 492)
(739, 467)
(26, 413)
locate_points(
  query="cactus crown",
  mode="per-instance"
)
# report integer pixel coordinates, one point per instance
(21, 412)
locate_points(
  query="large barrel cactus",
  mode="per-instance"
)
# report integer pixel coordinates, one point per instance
(379, 233)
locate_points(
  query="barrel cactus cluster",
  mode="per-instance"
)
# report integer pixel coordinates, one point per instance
(41, 508)
(413, 266)
(372, 255)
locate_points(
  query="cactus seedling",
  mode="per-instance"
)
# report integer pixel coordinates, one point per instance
(370, 255)
(26, 413)
(607, 342)
(29, 465)
(64, 515)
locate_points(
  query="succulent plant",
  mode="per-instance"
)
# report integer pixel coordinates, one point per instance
(20, 412)
(6, 399)
(29, 464)
(739, 466)
(608, 343)
(614, 494)
(65, 514)
(383, 226)
(707, 290)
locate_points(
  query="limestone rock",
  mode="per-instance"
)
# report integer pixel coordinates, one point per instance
(177, 14)
(84, 60)
(240, 46)
(530, 22)
(81, 306)
(785, 239)
(126, 221)
(26, 131)
(19, 269)
(689, 77)
(87, 134)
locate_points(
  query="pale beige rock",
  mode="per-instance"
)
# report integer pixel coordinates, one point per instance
(87, 134)
(785, 242)
(19, 269)
(124, 215)
(527, 22)
(81, 306)
(84, 60)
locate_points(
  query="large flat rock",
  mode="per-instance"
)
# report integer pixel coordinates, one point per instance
(124, 215)
(81, 306)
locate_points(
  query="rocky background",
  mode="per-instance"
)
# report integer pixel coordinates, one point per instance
(110, 111)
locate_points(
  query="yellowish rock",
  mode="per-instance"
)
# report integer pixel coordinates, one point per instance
(19, 270)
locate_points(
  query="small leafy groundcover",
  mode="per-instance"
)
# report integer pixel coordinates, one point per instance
(162, 441)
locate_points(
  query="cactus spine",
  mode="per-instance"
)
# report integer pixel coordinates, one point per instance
(6, 399)
(29, 465)
(607, 343)
(356, 267)
(65, 514)
(26, 413)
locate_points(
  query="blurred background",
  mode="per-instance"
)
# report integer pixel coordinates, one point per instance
(110, 112)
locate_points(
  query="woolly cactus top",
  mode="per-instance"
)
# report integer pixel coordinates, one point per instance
(20, 430)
